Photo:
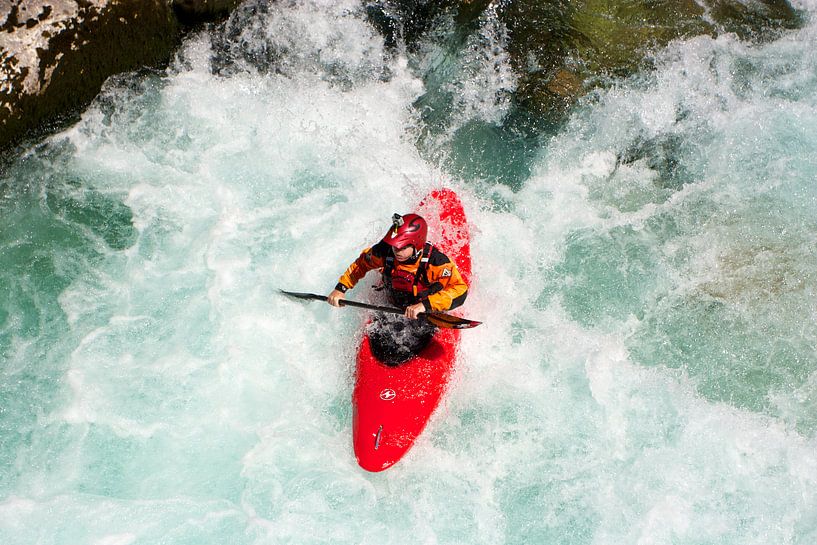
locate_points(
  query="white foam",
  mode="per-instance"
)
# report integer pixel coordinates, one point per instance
(254, 181)
(116, 539)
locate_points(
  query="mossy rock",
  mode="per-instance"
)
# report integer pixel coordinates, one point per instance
(563, 48)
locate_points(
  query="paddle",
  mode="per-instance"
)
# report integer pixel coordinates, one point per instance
(437, 318)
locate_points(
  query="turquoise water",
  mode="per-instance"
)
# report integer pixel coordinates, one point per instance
(646, 276)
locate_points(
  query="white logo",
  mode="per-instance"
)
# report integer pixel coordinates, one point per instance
(446, 272)
(388, 394)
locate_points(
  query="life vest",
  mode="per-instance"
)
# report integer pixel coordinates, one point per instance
(405, 284)
(435, 280)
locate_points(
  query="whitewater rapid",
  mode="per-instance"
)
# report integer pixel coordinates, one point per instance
(646, 368)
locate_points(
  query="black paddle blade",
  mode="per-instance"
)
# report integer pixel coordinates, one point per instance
(450, 322)
(308, 296)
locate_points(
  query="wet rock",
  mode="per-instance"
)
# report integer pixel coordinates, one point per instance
(197, 11)
(564, 48)
(756, 21)
(405, 21)
(57, 53)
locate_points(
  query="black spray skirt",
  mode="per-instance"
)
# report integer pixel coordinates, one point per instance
(396, 339)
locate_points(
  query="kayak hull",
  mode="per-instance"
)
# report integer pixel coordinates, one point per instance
(393, 404)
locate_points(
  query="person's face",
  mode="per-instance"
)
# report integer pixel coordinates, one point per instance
(403, 253)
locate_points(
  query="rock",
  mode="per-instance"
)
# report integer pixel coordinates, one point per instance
(756, 21)
(197, 11)
(57, 53)
(563, 48)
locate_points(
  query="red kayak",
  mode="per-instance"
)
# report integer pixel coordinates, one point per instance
(393, 404)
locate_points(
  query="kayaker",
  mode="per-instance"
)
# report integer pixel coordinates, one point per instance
(415, 274)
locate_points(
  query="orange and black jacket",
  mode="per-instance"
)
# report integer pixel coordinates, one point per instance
(432, 278)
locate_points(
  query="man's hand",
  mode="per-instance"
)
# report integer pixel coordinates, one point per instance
(335, 298)
(413, 311)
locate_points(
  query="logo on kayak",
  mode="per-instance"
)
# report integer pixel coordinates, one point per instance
(388, 394)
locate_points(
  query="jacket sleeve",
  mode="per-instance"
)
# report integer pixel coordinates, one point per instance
(367, 261)
(451, 289)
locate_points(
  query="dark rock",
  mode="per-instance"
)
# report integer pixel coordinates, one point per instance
(57, 53)
(756, 21)
(199, 11)
(405, 21)
(563, 48)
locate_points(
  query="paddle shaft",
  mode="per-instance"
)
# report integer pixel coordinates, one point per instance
(346, 302)
(438, 319)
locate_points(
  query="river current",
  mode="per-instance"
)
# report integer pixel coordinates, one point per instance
(646, 372)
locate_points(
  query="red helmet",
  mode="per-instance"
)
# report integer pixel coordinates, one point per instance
(408, 230)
